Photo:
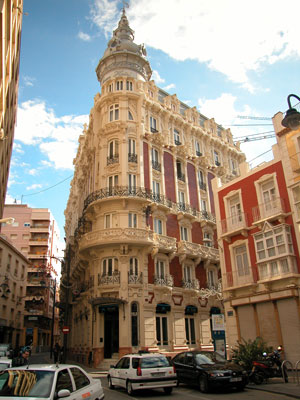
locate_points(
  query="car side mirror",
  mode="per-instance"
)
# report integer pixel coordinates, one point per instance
(63, 393)
(112, 366)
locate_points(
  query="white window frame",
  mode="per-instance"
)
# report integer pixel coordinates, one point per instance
(129, 85)
(158, 225)
(113, 181)
(108, 221)
(160, 268)
(190, 329)
(119, 85)
(131, 181)
(133, 266)
(109, 266)
(177, 136)
(184, 233)
(153, 124)
(131, 146)
(113, 148)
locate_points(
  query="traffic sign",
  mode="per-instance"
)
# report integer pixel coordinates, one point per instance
(66, 329)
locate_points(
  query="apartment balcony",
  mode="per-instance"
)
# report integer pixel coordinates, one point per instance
(105, 237)
(164, 244)
(181, 176)
(38, 242)
(37, 255)
(109, 279)
(156, 165)
(113, 159)
(189, 250)
(190, 284)
(237, 279)
(234, 225)
(132, 158)
(39, 228)
(186, 209)
(274, 209)
(164, 281)
(281, 269)
(135, 279)
(207, 218)
(202, 186)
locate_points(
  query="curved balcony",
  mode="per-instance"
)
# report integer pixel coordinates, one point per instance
(164, 244)
(104, 237)
(197, 252)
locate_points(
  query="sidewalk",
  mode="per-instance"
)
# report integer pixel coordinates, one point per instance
(275, 385)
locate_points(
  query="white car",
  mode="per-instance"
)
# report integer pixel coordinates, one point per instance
(143, 371)
(49, 382)
(5, 363)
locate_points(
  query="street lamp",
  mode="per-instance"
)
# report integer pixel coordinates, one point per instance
(292, 116)
(8, 221)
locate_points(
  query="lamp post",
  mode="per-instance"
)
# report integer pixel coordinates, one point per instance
(292, 117)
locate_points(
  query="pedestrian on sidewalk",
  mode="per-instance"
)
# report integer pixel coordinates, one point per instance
(56, 352)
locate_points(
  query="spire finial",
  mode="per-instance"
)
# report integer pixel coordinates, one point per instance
(125, 4)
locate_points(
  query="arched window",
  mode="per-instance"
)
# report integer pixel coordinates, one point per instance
(134, 325)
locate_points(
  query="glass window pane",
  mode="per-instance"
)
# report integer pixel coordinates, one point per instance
(165, 330)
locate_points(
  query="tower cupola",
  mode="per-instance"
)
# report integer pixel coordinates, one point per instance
(123, 57)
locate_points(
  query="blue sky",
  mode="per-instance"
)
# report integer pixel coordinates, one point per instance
(229, 58)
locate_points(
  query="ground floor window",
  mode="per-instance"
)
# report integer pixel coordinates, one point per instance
(190, 330)
(162, 330)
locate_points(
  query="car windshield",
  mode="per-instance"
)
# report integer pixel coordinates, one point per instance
(26, 382)
(154, 362)
(209, 358)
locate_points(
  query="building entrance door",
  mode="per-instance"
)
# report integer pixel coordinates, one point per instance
(111, 331)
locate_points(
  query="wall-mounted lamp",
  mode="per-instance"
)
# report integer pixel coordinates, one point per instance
(292, 116)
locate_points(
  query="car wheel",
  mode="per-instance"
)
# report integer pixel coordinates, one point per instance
(203, 384)
(129, 389)
(110, 385)
(168, 390)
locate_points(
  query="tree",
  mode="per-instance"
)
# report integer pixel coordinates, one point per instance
(248, 351)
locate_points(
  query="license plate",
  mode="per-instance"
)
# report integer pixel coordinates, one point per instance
(235, 379)
(157, 373)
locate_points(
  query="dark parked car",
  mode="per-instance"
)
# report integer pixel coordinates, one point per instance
(208, 370)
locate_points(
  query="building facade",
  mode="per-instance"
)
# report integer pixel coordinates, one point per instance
(143, 262)
(13, 272)
(259, 257)
(10, 34)
(36, 235)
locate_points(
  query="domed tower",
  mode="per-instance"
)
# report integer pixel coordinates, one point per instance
(123, 56)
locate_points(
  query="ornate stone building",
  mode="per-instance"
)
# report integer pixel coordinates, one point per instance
(142, 270)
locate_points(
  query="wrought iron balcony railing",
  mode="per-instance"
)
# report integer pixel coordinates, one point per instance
(164, 280)
(217, 163)
(177, 142)
(153, 130)
(198, 153)
(134, 279)
(208, 216)
(113, 159)
(109, 279)
(269, 209)
(190, 284)
(235, 222)
(156, 165)
(132, 157)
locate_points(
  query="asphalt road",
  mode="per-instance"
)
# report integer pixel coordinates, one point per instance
(188, 393)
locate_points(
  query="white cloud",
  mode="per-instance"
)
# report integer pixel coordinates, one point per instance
(28, 80)
(84, 36)
(233, 37)
(57, 137)
(18, 148)
(168, 87)
(225, 112)
(157, 78)
(33, 171)
(34, 186)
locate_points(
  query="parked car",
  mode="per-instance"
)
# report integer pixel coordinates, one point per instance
(208, 370)
(143, 371)
(5, 363)
(6, 350)
(49, 382)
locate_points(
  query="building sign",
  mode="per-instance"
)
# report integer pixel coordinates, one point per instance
(218, 322)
